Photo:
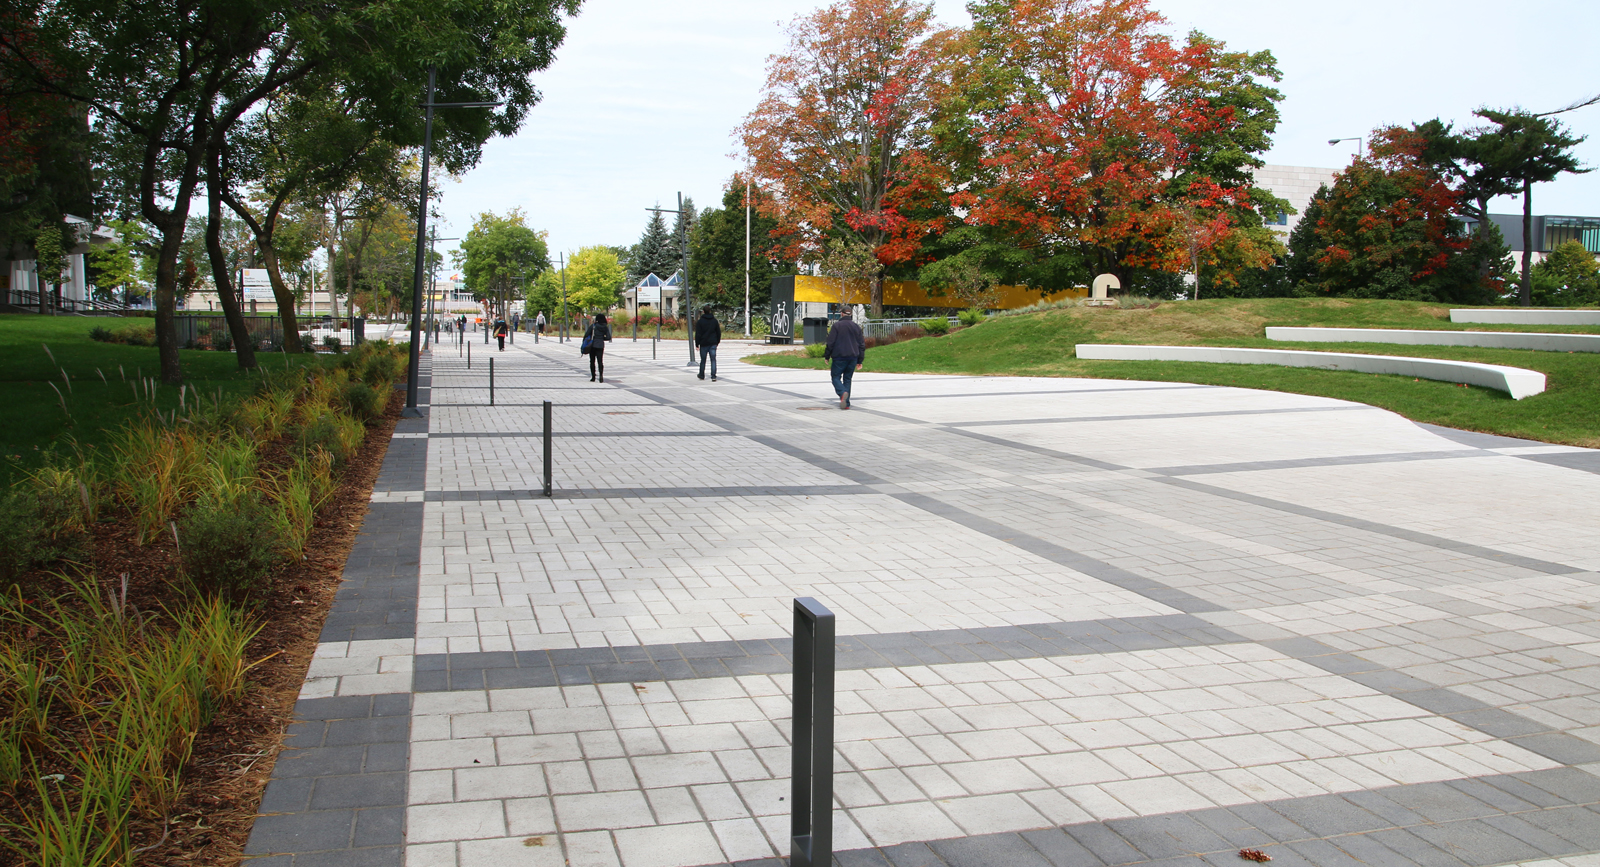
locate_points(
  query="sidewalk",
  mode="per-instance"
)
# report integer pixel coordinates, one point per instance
(1081, 622)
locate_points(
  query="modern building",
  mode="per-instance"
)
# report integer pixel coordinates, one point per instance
(652, 291)
(1549, 231)
(1294, 184)
(21, 276)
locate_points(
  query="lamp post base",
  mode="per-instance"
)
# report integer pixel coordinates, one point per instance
(413, 412)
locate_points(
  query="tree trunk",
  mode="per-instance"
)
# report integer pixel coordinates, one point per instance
(1527, 243)
(244, 347)
(167, 296)
(877, 295)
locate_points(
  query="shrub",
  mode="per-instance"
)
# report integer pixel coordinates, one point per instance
(971, 316)
(936, 325)
(222, 340)
(815, 350)
(229, 545)
(759, 327)
(339, 437)
(362, 401)
(100, 333)
(333, 343)
(43, 519)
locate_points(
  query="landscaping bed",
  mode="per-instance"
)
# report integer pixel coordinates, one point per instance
(147, 681)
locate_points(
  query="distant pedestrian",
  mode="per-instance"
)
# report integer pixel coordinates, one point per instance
(847, 349)
(595, 338)
(539, 323)
(707, 334)
(516, 321)
(501, 329)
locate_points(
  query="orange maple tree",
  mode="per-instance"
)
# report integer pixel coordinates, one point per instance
(840, 131)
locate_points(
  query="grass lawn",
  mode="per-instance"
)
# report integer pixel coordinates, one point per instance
(1042, 344)
(36, 423)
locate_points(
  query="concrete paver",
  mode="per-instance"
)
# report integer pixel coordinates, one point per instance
(1080, 622)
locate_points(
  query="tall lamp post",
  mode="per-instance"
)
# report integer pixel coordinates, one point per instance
(1361, 143)
(411, 410)
(683, 252)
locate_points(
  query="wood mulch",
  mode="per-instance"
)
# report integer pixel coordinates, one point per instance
(234, 755)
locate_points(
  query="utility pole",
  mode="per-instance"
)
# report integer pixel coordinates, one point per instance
(433, 285)
(562, 259)
(747, 258)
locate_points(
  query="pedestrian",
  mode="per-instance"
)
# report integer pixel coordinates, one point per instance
(539, 323)
(847, 349)
(707, 334)
(501, 329)
(448, 324)
(516, 320)
(595, 338)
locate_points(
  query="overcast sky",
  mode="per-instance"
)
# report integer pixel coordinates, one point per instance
(643, 97)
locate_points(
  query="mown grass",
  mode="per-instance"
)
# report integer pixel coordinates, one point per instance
(1043, 343)
(79, 390)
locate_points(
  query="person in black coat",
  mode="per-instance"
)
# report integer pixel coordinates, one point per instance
(598, 334)
(846, 349)
(707, 334)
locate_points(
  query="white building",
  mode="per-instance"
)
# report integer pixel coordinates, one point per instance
(22, 277)
(1294, 184)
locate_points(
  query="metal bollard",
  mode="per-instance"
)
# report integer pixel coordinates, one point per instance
(491, 380)
(636, 328)
(811, 761)
(469, 356)
(653, 348)
(547, 448)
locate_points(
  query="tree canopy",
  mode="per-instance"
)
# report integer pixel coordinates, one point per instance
(500, 251)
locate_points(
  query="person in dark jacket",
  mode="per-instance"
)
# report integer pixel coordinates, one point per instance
(707, 334)
(847, 349)
(501, 329)
(598, 334)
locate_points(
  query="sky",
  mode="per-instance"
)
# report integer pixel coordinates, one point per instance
(643, 97)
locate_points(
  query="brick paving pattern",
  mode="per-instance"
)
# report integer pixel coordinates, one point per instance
(1081, 623)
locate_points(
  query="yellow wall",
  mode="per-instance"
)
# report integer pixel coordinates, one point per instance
(909, 293)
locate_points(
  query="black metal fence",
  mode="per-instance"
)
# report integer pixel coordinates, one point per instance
(211, 332)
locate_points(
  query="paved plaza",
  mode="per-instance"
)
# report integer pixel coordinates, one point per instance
(1081, 622)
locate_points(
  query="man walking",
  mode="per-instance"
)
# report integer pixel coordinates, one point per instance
(538, 323)
(707, 334)
(847, 349)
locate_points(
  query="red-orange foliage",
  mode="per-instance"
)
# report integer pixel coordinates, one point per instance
(1087, 120)
(837, 134)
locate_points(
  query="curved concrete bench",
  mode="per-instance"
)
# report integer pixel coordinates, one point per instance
(1514, 381)
(1495, 339)
(1526, 316)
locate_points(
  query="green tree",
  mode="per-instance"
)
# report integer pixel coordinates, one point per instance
(544, 296)
(49, 260)
(498, 252)
(656, 253)
(116, 265)
(594, 279)
(1531, 150)
(1567, 276)
(717, 251)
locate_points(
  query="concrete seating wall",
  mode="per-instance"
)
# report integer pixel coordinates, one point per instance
(1495, 339)
(1515, 381)
(1526, 316)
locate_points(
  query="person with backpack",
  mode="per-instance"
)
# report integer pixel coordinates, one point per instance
(595, 338)
(707, 334)
(501, 329)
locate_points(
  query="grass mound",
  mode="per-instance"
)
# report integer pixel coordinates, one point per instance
(1043, 343)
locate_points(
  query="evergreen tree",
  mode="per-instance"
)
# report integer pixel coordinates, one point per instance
(656, 253)
(681, 229)
(716, 253)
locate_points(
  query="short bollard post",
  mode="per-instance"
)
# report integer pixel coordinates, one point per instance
(547, 448)
(811, 762)
(491, 380)
(636, 327)
(469, 356)
(653, 348)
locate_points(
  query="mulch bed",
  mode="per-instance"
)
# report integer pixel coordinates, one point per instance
(234, 755)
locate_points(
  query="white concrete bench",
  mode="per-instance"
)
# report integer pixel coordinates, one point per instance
(1514, 381)
(1493, 339)
(1526, 316)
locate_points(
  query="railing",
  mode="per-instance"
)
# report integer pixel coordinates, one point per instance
(28, 298)
(886, 327)
(811, 761)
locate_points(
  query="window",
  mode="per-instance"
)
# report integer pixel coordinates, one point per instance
(1559, 230)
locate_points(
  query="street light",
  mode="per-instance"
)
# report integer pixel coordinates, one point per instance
(411, 410)
(433, 287)
(1360, 141)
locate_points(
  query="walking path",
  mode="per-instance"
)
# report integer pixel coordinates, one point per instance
(1081, 622)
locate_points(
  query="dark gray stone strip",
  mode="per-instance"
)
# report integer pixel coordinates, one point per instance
(446, 672)
(338, 792)
(1335, 461)
(338, 789)
(501, 403)
(878, 397)
(593, 434)
(1533, 736)
(652, 493)
(1428, 539)
(1152, 416)
(1500, 819)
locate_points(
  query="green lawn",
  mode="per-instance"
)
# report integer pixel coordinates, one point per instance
(101, 376)
(1042, 344)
